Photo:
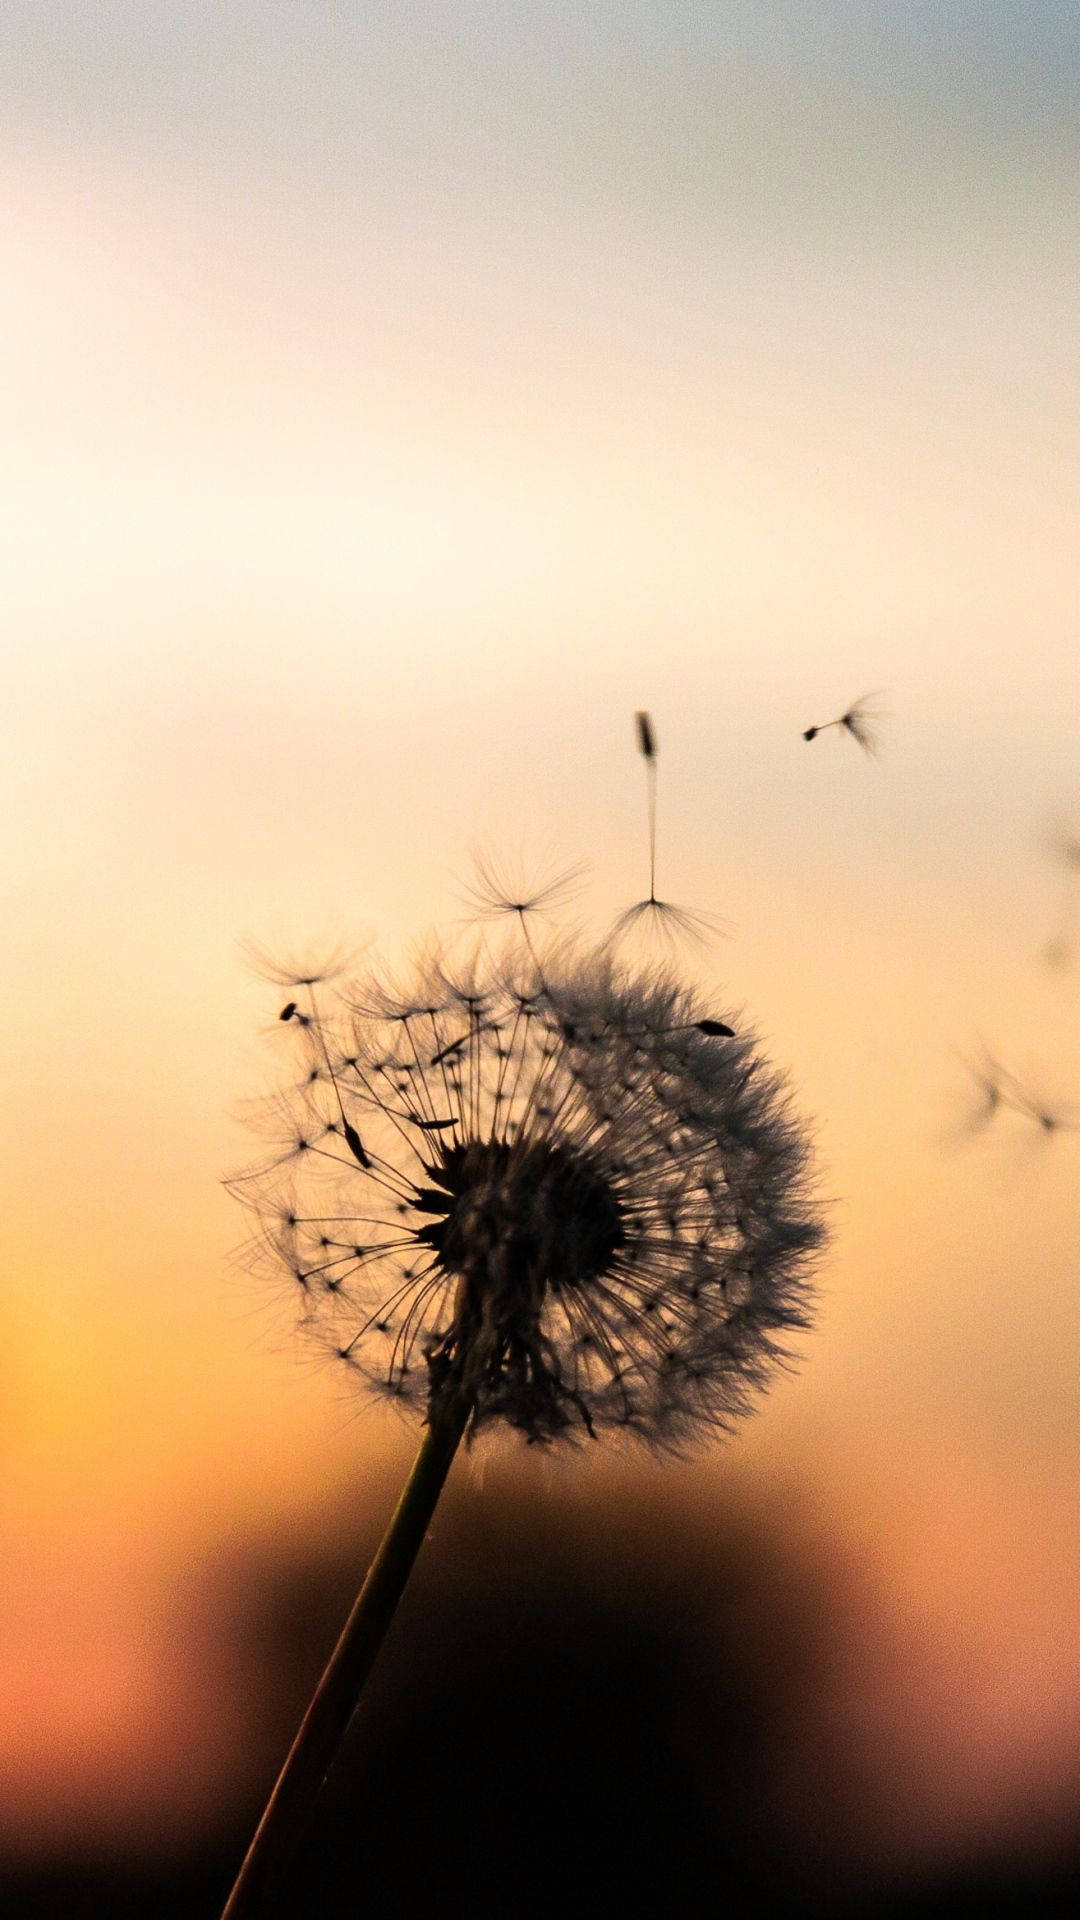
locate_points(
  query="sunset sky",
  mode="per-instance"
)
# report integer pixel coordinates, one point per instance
(395, 400)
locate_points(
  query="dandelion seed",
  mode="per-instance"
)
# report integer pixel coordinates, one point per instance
(289, 972)
(663, 919)
(861, 721)
(989, 1081)
(352, 1141)
(647, 744)
(497, 892)
(1000, 1091)
(1046, 1116)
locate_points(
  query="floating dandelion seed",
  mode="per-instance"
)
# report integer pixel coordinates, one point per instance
(647, 745)
(661, 917)
(1047, 1115)
(999, 1091)
(564, 1199)
(988, 1082)
(861, 721)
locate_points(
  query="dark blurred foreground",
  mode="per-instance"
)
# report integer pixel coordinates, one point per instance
(199, 1888)
(588, 1706)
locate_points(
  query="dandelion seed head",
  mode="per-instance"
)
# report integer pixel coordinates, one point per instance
(570, 1201)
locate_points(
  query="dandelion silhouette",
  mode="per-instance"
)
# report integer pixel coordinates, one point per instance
(651, 915)
(861, 721)
(558, 1198)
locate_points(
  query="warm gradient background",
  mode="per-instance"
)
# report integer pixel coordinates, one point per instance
(394, 399)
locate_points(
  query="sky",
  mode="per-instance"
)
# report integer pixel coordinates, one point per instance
(395, 400)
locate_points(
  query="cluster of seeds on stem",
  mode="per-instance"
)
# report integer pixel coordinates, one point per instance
(566, 1201)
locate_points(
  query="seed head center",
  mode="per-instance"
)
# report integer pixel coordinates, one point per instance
(517, 1217)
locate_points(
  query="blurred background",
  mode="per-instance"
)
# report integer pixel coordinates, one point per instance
(395, 399)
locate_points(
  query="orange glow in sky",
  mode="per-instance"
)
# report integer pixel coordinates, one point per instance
(386, 423)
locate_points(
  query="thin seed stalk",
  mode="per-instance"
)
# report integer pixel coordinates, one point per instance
(291, 1804)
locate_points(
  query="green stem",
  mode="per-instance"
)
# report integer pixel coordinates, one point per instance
(290, 1805)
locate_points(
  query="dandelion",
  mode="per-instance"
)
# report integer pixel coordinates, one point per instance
(564, 1200)
(651, 915)
(861, 721)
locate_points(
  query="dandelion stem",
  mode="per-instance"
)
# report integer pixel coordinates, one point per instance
(290, 1806)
